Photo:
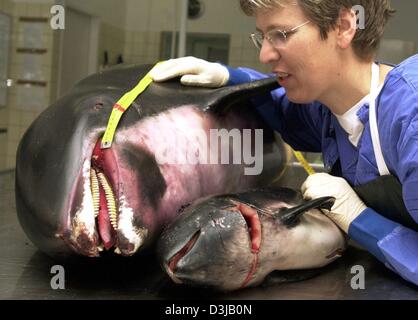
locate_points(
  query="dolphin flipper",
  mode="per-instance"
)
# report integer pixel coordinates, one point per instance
(290, 216)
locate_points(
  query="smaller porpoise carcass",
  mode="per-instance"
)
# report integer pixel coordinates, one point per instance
(232, 241)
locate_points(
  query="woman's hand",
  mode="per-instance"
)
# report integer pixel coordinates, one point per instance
(194, 72)
(347, 206)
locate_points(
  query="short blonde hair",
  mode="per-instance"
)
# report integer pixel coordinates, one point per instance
(325, 13)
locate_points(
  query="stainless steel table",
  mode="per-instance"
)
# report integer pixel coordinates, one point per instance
(25, 272)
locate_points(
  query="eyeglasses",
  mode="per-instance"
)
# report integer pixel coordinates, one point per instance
(274, 37)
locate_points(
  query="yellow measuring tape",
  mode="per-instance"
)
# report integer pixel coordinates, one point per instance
(121, 106)
(303, 162)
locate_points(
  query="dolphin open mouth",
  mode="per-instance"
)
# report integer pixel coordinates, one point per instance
(104, 200)
(253, 222)
(100, 217)
(174, 260)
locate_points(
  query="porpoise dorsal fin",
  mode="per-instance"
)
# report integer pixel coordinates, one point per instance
(223, 98)
(290, 216)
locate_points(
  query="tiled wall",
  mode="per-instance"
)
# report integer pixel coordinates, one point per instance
(142, 47)
(26, 101)
(55, 43)
(111, 39)
(6, 7)
(3, 137)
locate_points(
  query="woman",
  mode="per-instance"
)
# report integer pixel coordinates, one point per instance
(334, 99)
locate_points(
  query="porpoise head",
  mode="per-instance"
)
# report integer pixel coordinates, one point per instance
(233, 241)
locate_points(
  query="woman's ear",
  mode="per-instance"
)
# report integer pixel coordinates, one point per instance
(346, 28)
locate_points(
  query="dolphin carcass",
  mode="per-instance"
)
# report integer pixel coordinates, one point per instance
(233, 241)
(75, 198)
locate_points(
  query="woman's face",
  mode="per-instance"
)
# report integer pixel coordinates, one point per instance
(312, 63)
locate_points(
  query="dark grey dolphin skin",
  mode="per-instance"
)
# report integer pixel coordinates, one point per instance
(232, 241)
(67, 187)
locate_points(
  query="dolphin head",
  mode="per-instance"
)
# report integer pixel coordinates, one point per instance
(59, 163)
(233, 241)
(208, 245)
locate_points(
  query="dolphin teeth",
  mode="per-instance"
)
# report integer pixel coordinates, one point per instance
(94, 185)
(110, 199)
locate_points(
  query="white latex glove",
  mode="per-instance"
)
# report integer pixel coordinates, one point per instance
(194, 72)
(347, 206)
